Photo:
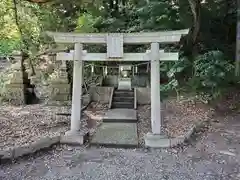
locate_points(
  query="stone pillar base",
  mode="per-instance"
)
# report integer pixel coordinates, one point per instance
(73, 138)
(156, 141)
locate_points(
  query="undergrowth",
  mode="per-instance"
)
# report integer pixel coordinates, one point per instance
(208, 77)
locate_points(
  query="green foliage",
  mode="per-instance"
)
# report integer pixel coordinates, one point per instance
(7, 46)
(208, 75)
(86, 22)
(212, 72)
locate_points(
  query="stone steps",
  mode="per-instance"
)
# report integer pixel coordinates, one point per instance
(123, 99)
(123, 105)
(123, 93)
(121, 115)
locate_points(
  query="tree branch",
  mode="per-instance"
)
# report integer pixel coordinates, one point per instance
(51, 51)
(38, 1)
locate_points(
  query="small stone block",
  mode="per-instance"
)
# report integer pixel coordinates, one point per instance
(74, 138)
(61, 97)
(176, 141)
(120, 115)
(21, 151)
(6, 154)
(189, 133)
(156, 141)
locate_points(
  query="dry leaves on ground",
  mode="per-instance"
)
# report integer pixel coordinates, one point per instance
(21, 125)
(179, 117)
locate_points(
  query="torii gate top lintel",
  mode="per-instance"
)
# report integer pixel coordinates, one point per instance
(128, 38)
(115, 41)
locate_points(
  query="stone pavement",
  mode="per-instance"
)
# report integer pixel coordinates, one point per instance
(119, 128)
(116, 134)
(120, 115)
(214, 156)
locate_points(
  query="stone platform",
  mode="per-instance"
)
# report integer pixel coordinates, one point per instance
(121, 115)
(116, 134)
(119, 129)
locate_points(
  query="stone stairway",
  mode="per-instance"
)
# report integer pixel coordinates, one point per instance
(119, 127)
(123, 99)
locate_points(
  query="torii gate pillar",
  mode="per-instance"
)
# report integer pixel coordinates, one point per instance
(74, 135)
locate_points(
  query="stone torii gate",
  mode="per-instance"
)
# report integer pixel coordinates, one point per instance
(114, 42)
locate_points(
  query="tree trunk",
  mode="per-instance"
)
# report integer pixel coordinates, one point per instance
(195, 8)
(191, 39)
(237, 65)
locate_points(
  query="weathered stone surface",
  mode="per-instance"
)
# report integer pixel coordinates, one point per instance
(100, 94)
(61, 89)
(177, 141)
(156, 141)
(60, 97)
(6, 154)
(86, 99)
(21, 151)
(59, 86)
(120, 115)
(189, 133)
(44, 142)
(16, 77)
(14, 86)
(116, 134)
(14, 93)
(60, 76)
(75, 138)
(16, 152)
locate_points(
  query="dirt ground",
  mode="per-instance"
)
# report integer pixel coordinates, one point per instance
(25, 124)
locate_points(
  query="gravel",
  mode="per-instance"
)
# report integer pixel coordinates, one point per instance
(21, 125)
(144, 122)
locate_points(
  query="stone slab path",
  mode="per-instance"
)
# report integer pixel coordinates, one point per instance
(214, 156)
(119, 128)
(119, 134)
(120, 115)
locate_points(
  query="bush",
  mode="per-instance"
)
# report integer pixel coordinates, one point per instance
(208, 75)
(212, 73)
(7, 46)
